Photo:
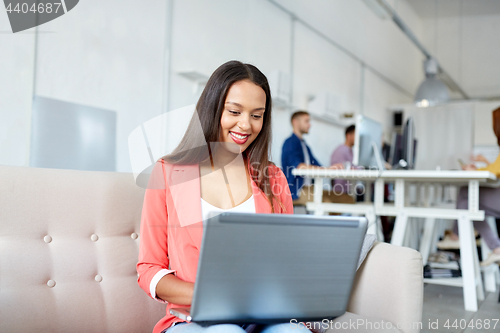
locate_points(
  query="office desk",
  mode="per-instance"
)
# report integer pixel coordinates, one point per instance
(471, 279)
(367, 208)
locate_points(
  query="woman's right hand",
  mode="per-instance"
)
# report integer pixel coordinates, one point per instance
(174, 290)
(480, 158)
(469, 167)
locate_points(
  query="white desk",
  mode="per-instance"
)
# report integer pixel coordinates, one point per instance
(471, 278)
(320, 208)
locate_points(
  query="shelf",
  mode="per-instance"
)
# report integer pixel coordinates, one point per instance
(198, 78)
(451, 281)
(448, 265)
(194, 75)
(454, 282)
(330, 120)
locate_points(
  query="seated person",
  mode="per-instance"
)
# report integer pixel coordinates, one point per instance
(488, 201)
(171, 222)
(297, 154)
(343, 155)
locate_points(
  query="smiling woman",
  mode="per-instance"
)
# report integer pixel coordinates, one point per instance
(243, 111)
(234, 111)
(224, 167)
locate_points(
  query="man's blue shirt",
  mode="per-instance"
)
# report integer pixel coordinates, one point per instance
(291, 156)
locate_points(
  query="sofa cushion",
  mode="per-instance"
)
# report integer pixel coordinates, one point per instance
(69, 244)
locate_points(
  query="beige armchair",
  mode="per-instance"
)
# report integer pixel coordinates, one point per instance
(389, 288)
(69, 243)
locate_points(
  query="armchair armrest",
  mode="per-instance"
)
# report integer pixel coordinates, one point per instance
(389, 286)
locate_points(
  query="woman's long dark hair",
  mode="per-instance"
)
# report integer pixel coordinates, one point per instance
(193, 147)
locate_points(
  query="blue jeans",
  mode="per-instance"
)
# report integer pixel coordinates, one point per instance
(228, 328)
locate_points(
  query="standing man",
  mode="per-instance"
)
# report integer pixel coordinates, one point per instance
(296, 154)
(343, 155)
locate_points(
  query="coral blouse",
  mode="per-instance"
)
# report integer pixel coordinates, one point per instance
(172, 228)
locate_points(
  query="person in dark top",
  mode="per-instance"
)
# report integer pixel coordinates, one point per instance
(296, 154)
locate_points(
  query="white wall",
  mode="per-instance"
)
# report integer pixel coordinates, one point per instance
(466, 44)
(453, 130)
(16, 91)
(205, 36)
(483, 123)
(111, 58)
(379, 43)
(265, 39)
(116, 58)
(378, 95)
(320, 67)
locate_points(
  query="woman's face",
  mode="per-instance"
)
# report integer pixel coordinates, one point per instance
(243, 114)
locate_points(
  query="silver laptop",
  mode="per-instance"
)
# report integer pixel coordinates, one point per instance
(270, 268)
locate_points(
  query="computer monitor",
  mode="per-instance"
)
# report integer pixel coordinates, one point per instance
(368, 143)
(386, 151)
(409, 143)
(404, 147)
(396, 149)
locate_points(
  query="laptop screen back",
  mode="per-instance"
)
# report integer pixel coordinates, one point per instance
(271, 268)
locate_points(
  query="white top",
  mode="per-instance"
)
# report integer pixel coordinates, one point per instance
(248, 206)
